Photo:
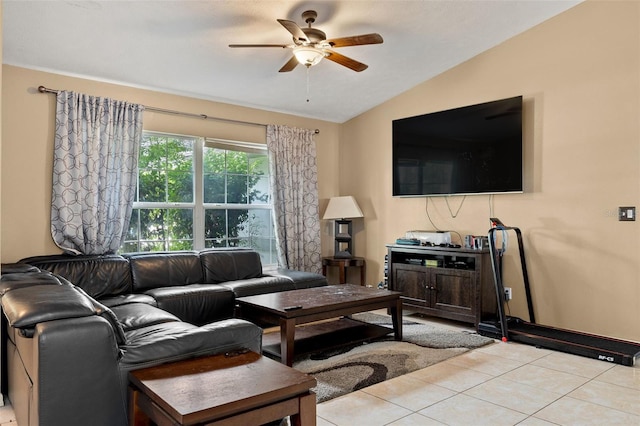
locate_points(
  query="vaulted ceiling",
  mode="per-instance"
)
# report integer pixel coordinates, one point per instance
(181, 47)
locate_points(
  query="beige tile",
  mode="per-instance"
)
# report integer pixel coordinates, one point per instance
(485, 363)
(465, 410)
(532, 421)
(409, 392)
(515, 351)
(544, 378)
(609, 395)
(620, 375)
(359, 408)
(416, 419)
(322, 422)
(574, 364)
(571, 411)
(451, 376)
(513, 395)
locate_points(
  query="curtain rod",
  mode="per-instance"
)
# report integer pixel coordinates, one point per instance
(43, 89)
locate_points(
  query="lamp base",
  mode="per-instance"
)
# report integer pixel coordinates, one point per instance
(343, 239)
(342, 255)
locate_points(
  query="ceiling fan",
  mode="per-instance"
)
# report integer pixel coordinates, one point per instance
(310, 45)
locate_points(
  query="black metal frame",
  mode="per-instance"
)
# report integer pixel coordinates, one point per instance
(528, 332)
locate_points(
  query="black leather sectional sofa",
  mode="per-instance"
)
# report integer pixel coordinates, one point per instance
(74, 326)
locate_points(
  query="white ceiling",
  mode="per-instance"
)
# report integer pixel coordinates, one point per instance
(181, 47)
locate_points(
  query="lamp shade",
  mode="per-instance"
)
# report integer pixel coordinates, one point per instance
(342, 208)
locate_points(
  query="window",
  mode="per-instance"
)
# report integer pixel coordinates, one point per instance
(196, 193)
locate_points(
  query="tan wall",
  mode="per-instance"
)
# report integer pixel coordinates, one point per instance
(579, 74)
(28, 133)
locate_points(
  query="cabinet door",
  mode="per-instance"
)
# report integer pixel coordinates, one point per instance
(453, 290)
(411, 281)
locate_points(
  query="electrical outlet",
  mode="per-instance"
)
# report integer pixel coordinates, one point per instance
(507, 293)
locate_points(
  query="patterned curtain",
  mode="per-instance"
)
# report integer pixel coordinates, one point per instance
(294, 185)
(95, 168)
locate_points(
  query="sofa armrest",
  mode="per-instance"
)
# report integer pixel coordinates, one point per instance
(76, 375)
(26, 307)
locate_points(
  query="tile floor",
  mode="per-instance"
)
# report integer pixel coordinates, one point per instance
(499, 384)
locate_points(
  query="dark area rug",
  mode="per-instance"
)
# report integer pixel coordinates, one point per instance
(354, 367)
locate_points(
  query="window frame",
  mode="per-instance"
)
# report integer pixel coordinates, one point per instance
(198, 206)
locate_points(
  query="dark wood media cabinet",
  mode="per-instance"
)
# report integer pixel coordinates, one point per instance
(452, 283)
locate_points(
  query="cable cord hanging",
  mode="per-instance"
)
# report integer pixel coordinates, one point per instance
(43, 89)
(454, 215)
(426, 208)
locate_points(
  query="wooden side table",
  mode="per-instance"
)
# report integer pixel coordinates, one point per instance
(343, 264)
(227, 390)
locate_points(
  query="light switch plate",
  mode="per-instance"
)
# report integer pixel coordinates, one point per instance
(626, 214)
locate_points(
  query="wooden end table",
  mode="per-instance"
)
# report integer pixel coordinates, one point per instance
(342, 264)
(236, 389)
(289, 308)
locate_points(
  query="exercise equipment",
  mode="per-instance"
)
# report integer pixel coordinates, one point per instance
(529, 332)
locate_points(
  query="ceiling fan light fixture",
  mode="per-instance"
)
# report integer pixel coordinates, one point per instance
(307, 55)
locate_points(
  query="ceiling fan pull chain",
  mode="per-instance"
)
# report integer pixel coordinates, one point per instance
(308, 70)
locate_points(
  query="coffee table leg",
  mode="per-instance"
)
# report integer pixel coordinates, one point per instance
(306, 415)
(287, 334)
(396, 317)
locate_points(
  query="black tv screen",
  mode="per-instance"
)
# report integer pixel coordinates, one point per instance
(475, 149)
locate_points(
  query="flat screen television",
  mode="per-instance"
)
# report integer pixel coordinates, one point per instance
(475, 149)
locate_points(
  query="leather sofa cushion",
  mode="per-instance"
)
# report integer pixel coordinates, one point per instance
(137, 315)
(196, 303)
(26, 307)
(15, 268)
(179, 340)
(99, 276)
(9, 282)
(266, 284)
(125, 299)
(106, 313)
(302, 279)
(152, 270)
(230, 265)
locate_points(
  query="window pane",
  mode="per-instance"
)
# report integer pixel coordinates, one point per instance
(215, 224)
(180, 186)
(237, 162)
(152, 185)
(152, 246)
(134, 226)
(236, 189)
(179, 154)
(258, 164)
(180, 224)
(214, 188)
(165, 169)
(129, 247)
(160, 229)
(152, 224)
(259, 191)
(214, 160)
(152, 153)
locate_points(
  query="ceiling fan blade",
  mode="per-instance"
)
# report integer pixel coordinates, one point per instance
(260, 45)
(295, 30)
(358, 40)
(345, 61)
(290, 65)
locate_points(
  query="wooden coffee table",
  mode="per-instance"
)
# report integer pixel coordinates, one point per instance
(290, 308)
(243, 388)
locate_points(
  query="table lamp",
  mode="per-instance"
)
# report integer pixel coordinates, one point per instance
(342, 210)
